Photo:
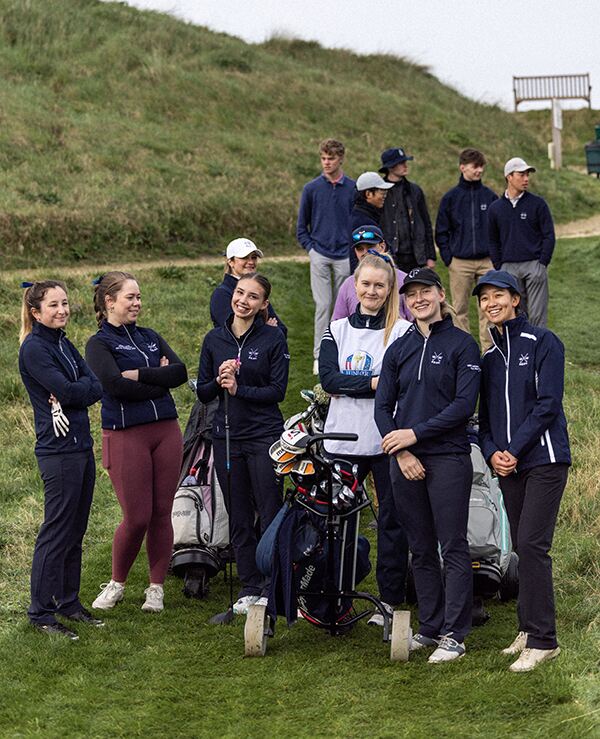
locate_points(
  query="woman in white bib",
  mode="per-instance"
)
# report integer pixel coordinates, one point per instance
(350, 361)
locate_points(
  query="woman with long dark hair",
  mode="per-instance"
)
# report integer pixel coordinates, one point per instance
(248, 359)
(61, 387)
(141, 440)
(523, 436)
(350, 361)
(427, 391)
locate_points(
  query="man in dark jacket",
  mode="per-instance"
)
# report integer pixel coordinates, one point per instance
(461, 233)
(405, 220)
(522, 239)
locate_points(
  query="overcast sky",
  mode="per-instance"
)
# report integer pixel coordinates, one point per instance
(474, 45)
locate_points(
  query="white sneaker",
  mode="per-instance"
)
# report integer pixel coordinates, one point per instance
(529, 659)
(449, 649)
(518, 644)
(377, 619)
(109, 596)
(316, 367)
(418, 641)
(240, 607)
(154, 599)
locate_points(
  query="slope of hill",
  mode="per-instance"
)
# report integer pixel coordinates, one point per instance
(128, 132)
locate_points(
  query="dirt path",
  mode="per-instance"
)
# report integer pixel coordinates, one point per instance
(579, 229)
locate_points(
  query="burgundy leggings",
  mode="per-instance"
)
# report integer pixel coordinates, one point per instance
(144, 464)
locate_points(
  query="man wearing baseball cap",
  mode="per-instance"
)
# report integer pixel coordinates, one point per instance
(371, 191)
(405, 219)
(521, 236)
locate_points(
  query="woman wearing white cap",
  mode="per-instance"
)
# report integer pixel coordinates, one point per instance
(241, 258)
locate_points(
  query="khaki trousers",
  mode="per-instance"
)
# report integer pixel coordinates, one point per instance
(463, 274)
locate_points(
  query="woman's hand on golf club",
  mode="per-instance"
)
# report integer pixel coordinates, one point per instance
(410, 466)
(504, 463)
(226, 377)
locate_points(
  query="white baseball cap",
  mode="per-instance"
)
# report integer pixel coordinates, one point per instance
(370, 180)
(516, 164)
(241, 248)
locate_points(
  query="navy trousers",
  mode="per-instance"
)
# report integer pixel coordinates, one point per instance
(432, 510)
(255, 490)
(392, 546)
(56, 568)
(532, 499)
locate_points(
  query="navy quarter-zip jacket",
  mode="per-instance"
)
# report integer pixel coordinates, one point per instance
(522, 233)
(50, 364)
(430, 385)
(461, 227)
(262, 379)
(520, 409)
(127, 403)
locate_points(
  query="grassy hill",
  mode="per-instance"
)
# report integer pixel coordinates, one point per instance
(132, 133)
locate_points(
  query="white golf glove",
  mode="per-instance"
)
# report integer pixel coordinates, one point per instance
(60, 423)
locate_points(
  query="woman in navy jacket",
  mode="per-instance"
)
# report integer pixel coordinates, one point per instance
(350, 360)
(523, 436)
(248, 359)
(427, 391)
(241, 258)
(141, 439)
(61, 387)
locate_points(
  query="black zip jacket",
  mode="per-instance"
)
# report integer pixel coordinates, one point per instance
(127, 403)
(405, 222)
(262, 379)
(430, 385)
(50, 364)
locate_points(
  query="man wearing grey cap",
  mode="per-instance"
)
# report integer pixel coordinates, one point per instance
(522, 239)
(405, 221)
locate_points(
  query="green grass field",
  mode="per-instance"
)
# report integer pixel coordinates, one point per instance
(175, 675)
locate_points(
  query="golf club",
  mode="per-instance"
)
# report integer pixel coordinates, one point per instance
(227, 616)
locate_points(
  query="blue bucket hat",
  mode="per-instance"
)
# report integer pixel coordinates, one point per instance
(497, 278)
(391, 157)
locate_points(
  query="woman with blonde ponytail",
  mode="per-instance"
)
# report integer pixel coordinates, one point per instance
(350, 360)
(61, 387)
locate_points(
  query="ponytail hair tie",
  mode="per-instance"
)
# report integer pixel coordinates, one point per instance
(98, 280)
(27, 284)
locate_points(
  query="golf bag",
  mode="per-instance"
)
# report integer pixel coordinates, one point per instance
(199, 516)
(494, 563)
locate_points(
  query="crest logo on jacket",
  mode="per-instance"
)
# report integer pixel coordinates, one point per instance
(359, 363)
(523, 216)
(436, 358)
(483, 206)
(523, 360)
(252, 353)
(153, 347)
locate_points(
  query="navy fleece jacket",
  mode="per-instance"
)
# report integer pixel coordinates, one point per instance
(50, 364)
(430, 385)
(461, 227)
(262, 379)
(522, 233)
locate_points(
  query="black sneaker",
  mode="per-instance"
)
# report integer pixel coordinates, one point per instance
(56, 629)
(84, 617)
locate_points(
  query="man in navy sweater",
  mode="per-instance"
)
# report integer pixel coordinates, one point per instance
(322, 229)
(522, 239)
(461, 233)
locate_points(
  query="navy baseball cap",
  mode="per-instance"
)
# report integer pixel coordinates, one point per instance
(391, 157)
(497, 278)
(367, 235)
(423, 276)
